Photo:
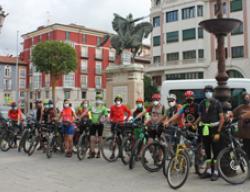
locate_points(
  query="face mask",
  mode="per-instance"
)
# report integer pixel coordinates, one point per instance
(118, 102)
(51, 106)
(46, 106)
(85, 105)
(14, 108)
(156, 103)
(139, 105)
(98, 102)
(172, 104)
(209, 95)
(66, 105)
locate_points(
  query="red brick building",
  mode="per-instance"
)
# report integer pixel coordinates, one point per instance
(89, 78)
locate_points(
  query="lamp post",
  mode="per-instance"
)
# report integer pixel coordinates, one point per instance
(2, 17)
(221, 27)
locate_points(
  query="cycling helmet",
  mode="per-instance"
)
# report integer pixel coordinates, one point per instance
(13, 104)
(156, 96)
(171, 97)
(118, 97)
(139, 100)
(208, 88)
(189, 94)
(50, 102)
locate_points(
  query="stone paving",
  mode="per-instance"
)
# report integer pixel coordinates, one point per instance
(21, 173)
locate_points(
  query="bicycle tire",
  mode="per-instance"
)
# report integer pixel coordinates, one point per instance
(33, 146)
(134, 154)
(108, 143)
(22, 140)
(50, 147)
(82, 147)
(154, 147)
(4, 137)
(126, 150)
(228, 170)
(182, 156)
(200, 160)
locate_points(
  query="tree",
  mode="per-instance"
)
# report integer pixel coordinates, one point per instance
(149, 89)
(54, 58)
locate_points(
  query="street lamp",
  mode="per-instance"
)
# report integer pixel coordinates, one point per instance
(2, 17)
(221, 27)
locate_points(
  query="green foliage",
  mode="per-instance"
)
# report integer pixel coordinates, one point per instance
(54, 57)
(149, 89)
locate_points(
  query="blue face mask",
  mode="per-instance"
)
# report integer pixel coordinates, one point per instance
(139, 105)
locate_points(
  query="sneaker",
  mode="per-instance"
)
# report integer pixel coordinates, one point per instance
(205, 175)
(91, 155)
(69, 154)
(214, 177)
(98, 155)
(112, 156)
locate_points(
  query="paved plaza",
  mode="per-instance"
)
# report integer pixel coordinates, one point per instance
(21, 173)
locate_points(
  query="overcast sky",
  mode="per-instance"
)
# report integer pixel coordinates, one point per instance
(26, 15)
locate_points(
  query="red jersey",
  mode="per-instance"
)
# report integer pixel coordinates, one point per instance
(117, 113)
(67, 115)
(15, 114)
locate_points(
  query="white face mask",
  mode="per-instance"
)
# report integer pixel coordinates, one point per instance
(156, 103)
(209, 94)
(118, 102)
(66, 105)
(98, 102)
(172, 104)
(85, 105)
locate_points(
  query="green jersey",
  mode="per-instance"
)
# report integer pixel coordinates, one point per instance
(97, 112)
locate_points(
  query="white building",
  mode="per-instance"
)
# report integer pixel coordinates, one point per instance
(183, 50)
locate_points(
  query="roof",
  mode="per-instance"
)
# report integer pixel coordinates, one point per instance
(74, 26)
(10, 60)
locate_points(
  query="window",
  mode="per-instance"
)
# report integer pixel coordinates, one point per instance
(99, 40)
(98, 82)
(50, 35)
(98, 68)
(238, 30)
(84, 38)
(157, 81)
(189, 54)
(22, 94)
(36, 81)
(157, 2)
(22, 73)
(237, 52)
(201, 53)
(84, 66)
(84, 51)
(98, 53)
(234, 74)
(200, 33)
(200, 11)
(191, 75)
(173, 56)
(236, 5)
(171, 16)
(47, 94)
(66, 94)
(39, 38)
(188, 34)
(31, 95)
(157, 60)
(7, 84)
(84, 94)
(69, 80)
(22, 83)
(47, 80)
(172, 37)
(37, 95)
(188, 13)
(7, 71)
(111, 55)
(156, 21)
(84, 81)
(67, 34)
(156, 41)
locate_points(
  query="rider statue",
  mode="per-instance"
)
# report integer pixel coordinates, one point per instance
(129, 35)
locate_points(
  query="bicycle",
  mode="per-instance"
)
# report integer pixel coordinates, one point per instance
(83, 141)
(233, 163)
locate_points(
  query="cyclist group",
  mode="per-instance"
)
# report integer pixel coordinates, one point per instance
(207, 118)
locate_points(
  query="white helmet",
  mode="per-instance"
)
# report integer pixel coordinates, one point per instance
(171, 97)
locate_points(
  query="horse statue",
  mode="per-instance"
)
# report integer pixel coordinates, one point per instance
(129, 35)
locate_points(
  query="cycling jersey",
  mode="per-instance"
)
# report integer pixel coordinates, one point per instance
(97, 112)
(156, 113)
(117, 113)
(190, 112)
(15, 114)
(67, 115)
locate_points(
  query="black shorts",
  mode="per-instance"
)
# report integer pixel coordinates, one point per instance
(96, 128)
(154, 132)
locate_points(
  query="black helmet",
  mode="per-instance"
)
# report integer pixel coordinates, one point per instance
(208, 88)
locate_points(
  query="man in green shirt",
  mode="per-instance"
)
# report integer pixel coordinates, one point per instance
(99, 114)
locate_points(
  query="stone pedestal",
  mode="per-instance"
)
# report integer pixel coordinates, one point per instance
(125, 80)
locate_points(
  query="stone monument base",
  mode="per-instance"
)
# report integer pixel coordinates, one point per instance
(125, 80)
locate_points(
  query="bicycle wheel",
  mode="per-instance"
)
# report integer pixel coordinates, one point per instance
(50, 147)
(177, 170)
(82, 147)
(134, 154)
(22, 140)
(126, 149)
(4, 145)
(200, 160)
(33, 145)
(110, 149)
(153, 157)
(233, 165)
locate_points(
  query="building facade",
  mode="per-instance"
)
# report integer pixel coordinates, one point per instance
(88, 80)
(181, 49)
(12, 89)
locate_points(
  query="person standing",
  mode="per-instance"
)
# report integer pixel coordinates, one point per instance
(242, 114)
(211, 120)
